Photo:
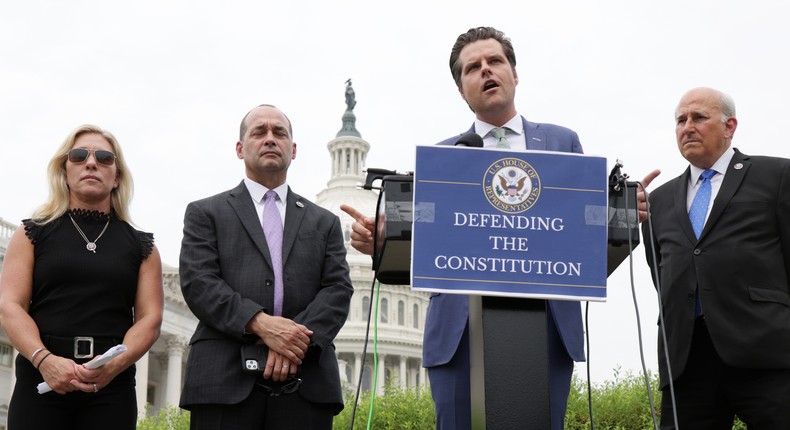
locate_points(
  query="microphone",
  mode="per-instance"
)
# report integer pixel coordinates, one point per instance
(472, 140)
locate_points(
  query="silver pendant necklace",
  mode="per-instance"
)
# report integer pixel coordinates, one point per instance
(90, 246)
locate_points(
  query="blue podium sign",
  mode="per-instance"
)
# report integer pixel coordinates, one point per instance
(502, 223)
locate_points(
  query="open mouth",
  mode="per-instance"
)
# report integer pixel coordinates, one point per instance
(489, 85)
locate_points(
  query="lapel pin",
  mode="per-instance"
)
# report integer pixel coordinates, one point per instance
(300, 204)
(738, 166)
(535, 138)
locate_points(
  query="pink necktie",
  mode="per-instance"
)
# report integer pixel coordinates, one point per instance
(273, 229)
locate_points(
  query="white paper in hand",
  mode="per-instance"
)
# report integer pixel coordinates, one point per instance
(97, 361)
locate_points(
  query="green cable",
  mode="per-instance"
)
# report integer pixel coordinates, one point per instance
(374, 387)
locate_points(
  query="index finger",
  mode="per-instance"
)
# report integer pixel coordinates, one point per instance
(353, 213)
(649, 178)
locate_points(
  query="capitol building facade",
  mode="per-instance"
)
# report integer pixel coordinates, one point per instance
(401, 311)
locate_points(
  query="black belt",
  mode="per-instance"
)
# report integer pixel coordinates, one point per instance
(78, 347)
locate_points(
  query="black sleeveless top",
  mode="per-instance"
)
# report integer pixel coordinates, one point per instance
(77, 292)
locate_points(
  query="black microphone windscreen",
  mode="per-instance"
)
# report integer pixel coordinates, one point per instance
(472, 140)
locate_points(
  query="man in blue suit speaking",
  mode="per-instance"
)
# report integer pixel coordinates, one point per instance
(483, 65)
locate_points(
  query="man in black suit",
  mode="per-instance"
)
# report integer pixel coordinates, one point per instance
(229, 276)
(723, 277)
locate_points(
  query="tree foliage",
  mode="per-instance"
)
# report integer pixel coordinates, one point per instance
(620, 404)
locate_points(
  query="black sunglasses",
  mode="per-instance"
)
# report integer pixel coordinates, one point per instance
(79, 155)
(274, 389)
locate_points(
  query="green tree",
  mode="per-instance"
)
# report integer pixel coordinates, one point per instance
(621, 404)
(167, 419)
(398, 409)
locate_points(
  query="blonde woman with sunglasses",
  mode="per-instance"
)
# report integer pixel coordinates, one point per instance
(77, 280)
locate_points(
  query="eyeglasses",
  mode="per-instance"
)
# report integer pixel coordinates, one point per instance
(274, 389)
(79, 155)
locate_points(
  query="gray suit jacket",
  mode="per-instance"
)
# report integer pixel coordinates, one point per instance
(226, 277)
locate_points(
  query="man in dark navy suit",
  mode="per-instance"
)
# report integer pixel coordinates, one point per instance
(483, 65)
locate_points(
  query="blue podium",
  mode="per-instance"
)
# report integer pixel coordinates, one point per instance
(510, 230)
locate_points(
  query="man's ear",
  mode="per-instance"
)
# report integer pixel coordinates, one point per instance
(731, 124)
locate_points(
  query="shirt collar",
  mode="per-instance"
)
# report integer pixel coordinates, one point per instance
(257, 191)
(514, 124)
(720, 166)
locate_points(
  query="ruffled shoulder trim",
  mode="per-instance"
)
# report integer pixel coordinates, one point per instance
(33, 230)
(146, 243)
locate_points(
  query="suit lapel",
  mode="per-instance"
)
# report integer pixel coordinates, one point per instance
(680, 192)
(241, 202)
(732, 181)
(293, 219)
(534, 137)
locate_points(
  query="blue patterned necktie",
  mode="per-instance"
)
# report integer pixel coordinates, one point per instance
(699, 208)
(273, 229)
(501, 137)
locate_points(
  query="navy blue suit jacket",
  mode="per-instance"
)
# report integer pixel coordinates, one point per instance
(448, 314)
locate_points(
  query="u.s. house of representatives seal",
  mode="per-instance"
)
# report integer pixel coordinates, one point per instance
(511, 185)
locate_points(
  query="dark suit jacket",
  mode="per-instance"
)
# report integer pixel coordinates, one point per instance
(448, 313)
(226, 278)
(741, 263)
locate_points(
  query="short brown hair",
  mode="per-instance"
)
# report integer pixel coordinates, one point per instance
(473, 35)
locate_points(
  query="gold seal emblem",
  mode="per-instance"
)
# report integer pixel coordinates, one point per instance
(511, 185)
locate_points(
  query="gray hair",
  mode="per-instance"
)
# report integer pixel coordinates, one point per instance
(727, 106)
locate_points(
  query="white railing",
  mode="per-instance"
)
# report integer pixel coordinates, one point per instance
(6, 230)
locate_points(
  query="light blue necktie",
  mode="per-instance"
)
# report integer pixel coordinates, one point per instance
(699, 208)
(501, 137)
(273, 229)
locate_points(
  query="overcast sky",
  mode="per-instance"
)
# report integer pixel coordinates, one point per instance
(172, 80)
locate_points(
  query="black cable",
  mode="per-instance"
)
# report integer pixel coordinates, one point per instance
(367, 330)
(636, 306)
(657, 283)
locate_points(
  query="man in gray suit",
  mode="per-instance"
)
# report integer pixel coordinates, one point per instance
(270, 296)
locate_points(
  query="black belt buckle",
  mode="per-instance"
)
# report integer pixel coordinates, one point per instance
(83, 347)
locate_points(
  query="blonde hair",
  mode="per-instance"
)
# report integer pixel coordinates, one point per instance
(58, 202)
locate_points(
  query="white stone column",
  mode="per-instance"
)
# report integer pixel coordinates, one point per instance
(342, 365)
(175, 354)
(357, 368)
(141, 385)
(382, 374)
(423, 376)
(13, 374)
(336, 163)
(402, 374)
